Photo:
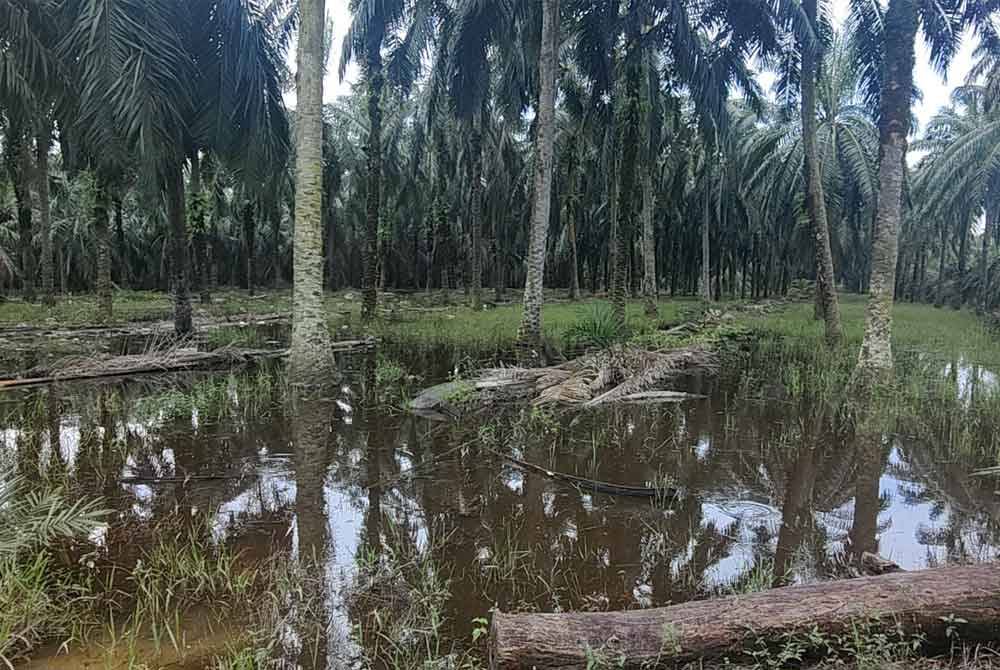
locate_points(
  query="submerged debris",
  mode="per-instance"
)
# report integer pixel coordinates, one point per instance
(618, 374)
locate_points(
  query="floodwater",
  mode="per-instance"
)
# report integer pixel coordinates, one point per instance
(764, 487)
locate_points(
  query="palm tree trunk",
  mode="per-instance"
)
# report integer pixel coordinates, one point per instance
(103, 249)
(984, 258)
(310, 349)
(614, 224)
(498, 269)
(212, 255)
(176, 215)
(369, 287)
(572, 209)
(476, 214)
(18, 170)
(706, 255)
(826, 288)
(199, 234)
(43, 145)
(939, 300)
(276, 243)
(627, 186)
(963, 254)
(120, 252)
(249, 228)
(796, 512)
(648, 245)
(531, 323)
(875, 357)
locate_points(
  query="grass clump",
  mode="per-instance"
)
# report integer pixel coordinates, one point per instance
(237, 395)
(596, 328)
(398, 601)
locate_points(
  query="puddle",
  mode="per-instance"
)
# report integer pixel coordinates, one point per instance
(762, 488)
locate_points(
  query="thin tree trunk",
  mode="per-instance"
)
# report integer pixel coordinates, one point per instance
(531, 323)
(984, 259)
(914, 288)
(648, 245)
(963, 253)
(249, 230)
(939, 301)
(199, 234)
(116, 205)
(572, 209)
(499, 277)
(101, 232)
(476, 214)
(43, 144)
(627, 172)
(275, 210)
(875, 357)
(706, 254)
(18, 169)
(370, 256)
(179, 253)
(311, 359)
(826, 289)
(331, 232)
(213, 254)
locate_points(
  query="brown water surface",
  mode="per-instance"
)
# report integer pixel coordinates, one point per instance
(765, 486)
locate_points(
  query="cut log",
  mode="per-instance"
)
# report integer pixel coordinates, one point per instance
(927, 602)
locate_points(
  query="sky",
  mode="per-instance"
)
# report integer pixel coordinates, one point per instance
(333, 88)
(936, 91)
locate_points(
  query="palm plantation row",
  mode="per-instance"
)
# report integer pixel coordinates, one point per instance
(588, 144)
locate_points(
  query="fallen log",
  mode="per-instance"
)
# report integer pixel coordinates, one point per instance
(965, 599)
(78, 368)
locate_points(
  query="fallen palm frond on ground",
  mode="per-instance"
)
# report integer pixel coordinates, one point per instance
(159, 358)
(618, 374)
(147, 329)
(176, 359)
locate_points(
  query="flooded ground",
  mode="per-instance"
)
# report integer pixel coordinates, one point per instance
(766, 485)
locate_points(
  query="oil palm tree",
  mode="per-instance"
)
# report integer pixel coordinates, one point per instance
(963, 168)
(407, 25)
(827, 301)
(149, 76)
(886, 51)
(548, 61)
(33, 86)
(310, 349)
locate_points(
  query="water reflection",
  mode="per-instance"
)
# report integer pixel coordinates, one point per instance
(367, 496)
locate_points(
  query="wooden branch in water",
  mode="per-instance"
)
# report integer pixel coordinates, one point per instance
(594, 485)
(965, 599)
(181, 480)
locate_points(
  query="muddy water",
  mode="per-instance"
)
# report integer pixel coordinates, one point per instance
(764, 487)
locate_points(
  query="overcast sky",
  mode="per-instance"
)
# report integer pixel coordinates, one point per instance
(936, 91)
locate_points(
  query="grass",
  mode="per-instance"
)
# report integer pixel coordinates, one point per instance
(136, 306)
(916, 328)
(496, 329)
